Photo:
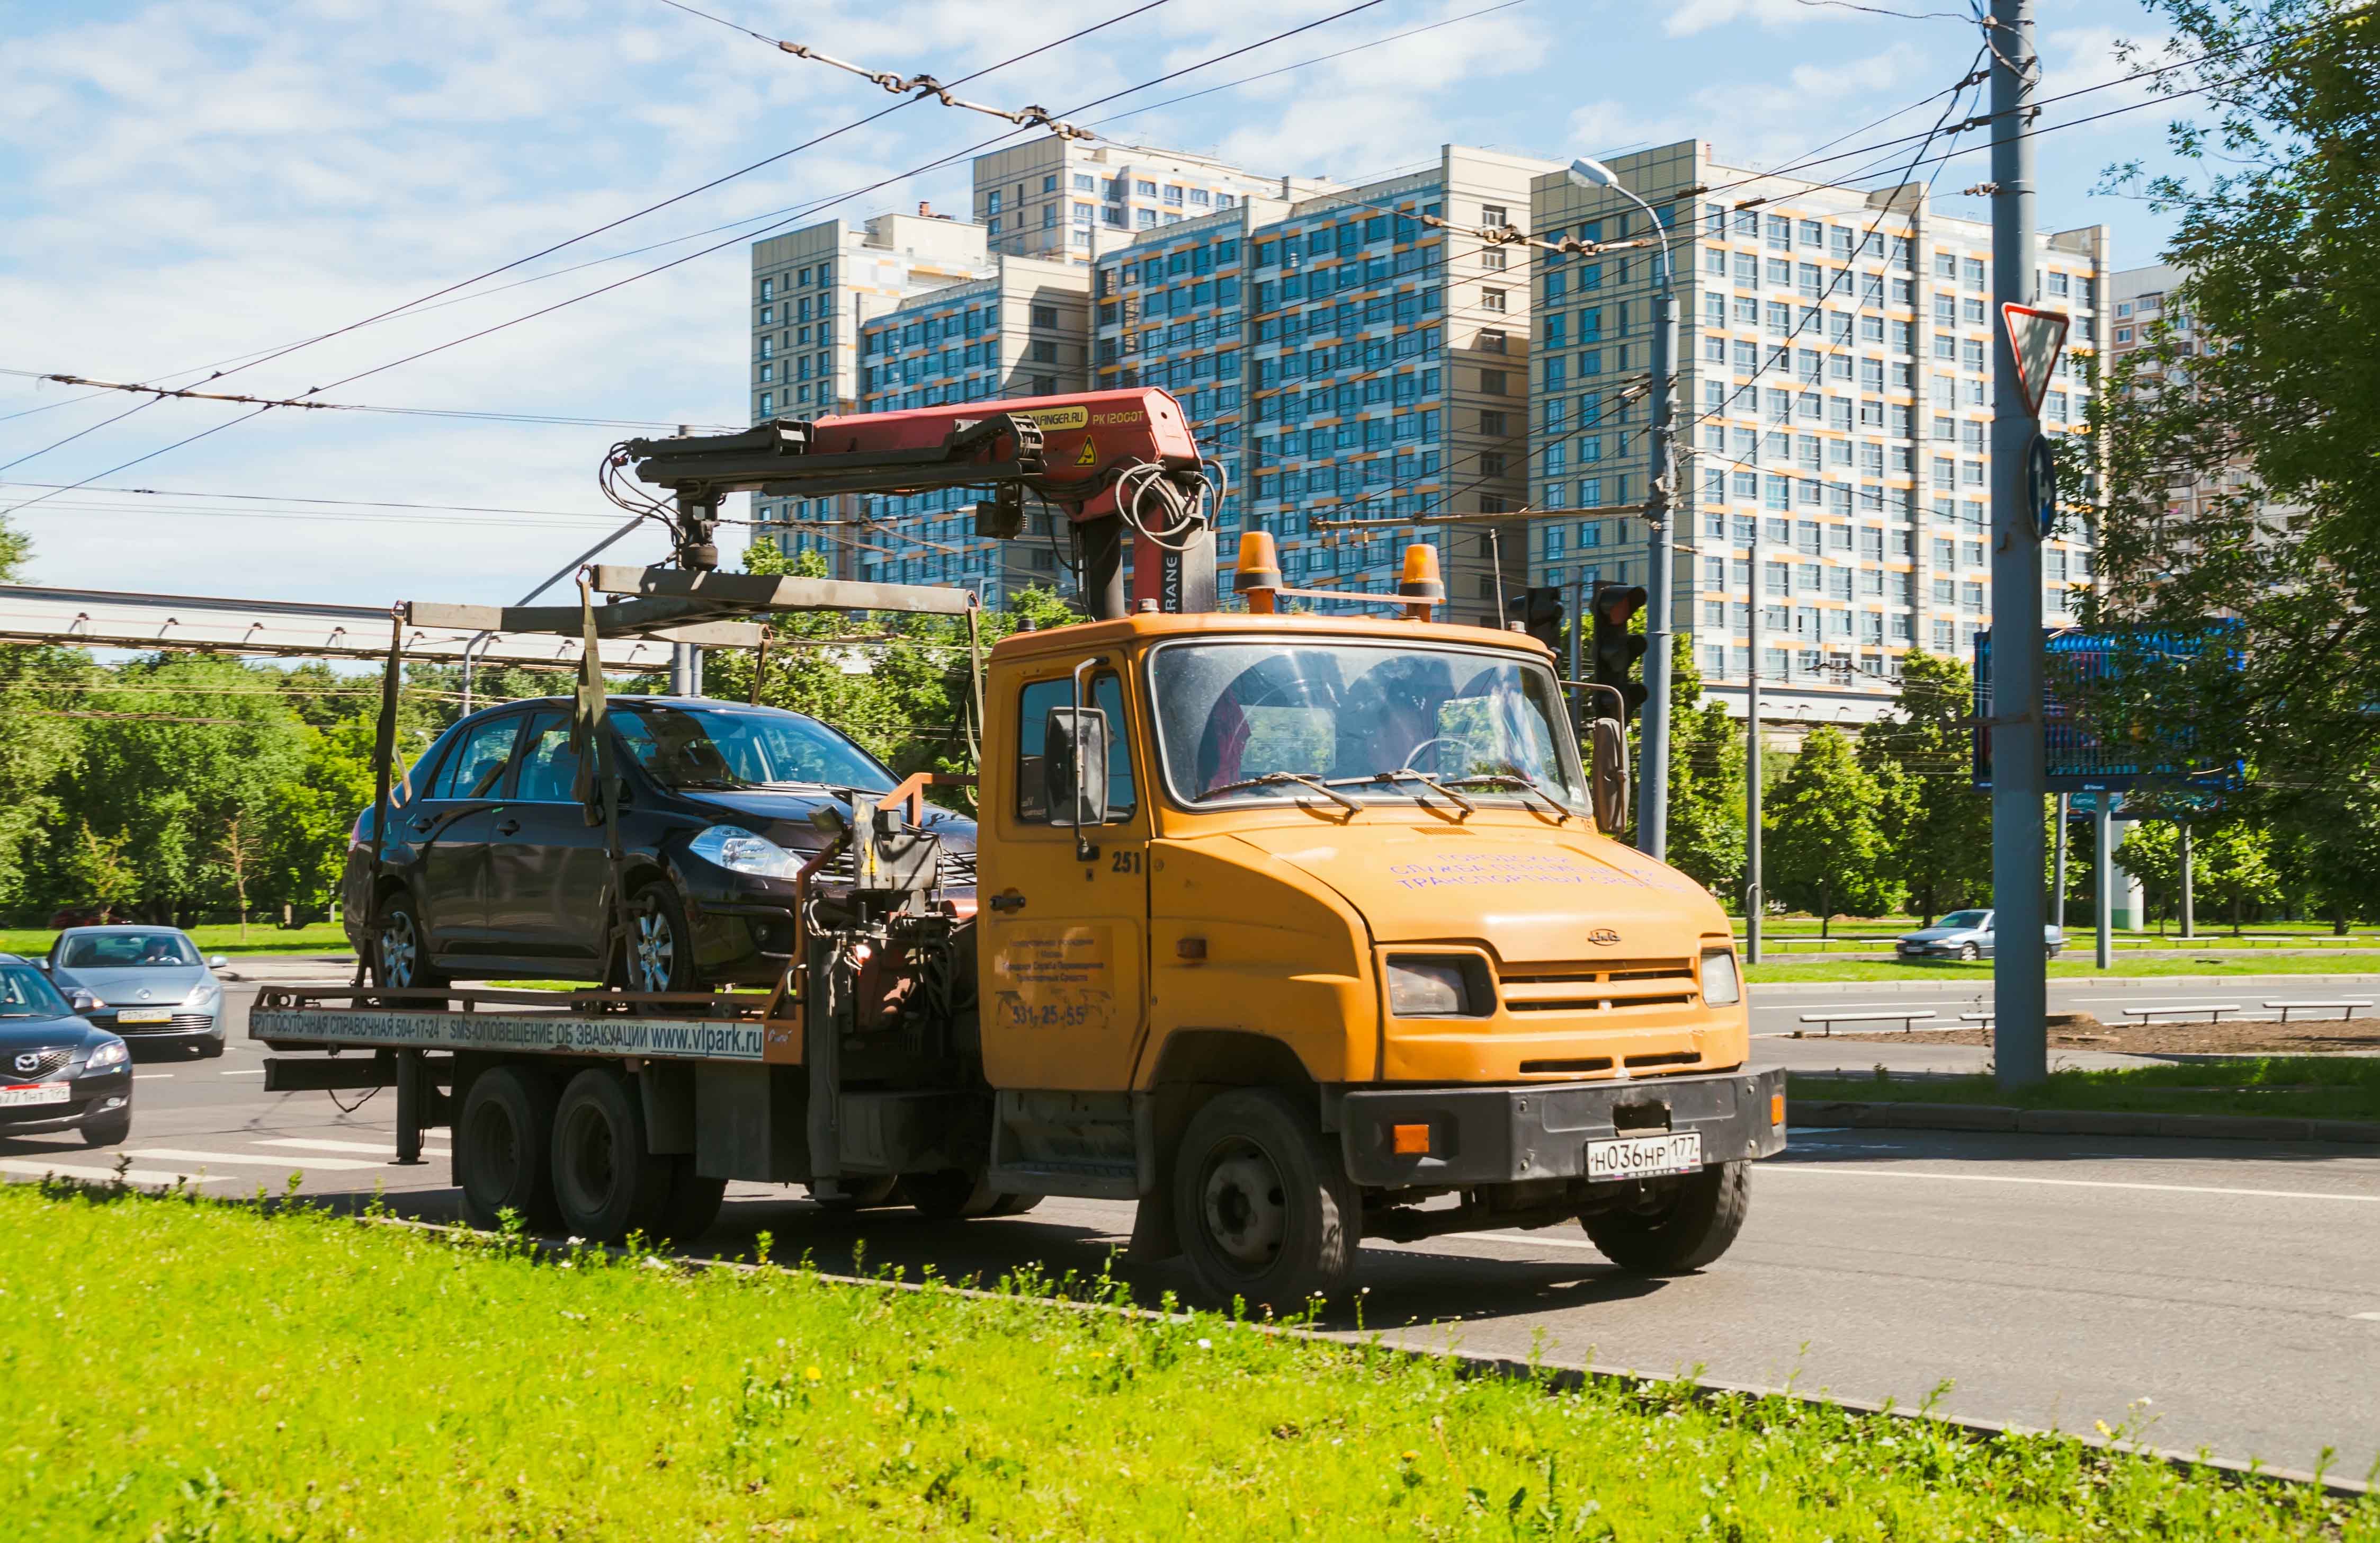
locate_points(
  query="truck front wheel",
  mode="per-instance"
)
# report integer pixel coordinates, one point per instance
(1266, 1209)
(1679, 1230)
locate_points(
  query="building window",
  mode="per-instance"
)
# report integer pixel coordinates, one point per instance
(1492, 301)
(1491, 382)
(1494, 215)
(991, 203)
(1145, 189)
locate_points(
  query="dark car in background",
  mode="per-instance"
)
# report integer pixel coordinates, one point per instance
(146, 983)
(58, 1072)
(492, 869)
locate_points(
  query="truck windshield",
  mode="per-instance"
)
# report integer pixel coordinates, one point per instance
(743, 747)
(1238, 721)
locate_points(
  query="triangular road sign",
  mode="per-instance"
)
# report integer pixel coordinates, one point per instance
(2035, 338)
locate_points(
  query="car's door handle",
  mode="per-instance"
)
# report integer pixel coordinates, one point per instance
(1008, 903)
(508, 827)
(423, 823)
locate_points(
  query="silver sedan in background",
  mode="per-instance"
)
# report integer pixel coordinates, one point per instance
(146, 983)
(1964, 935)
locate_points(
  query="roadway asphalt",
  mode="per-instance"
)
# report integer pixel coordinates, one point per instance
(2221, 1294)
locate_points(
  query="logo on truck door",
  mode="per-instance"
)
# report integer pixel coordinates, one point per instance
(1060, 978)
(1603, 935)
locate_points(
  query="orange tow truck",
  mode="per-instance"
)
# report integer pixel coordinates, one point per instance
(1294, 929)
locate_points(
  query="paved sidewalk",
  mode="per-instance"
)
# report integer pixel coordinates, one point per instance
(290, 969)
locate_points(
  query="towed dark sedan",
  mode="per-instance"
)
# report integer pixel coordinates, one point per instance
(146, 983)
(56, 1071)
(491, 867)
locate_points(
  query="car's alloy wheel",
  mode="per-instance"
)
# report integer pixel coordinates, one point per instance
(400, 948)
(661, 942)
(1969, 951)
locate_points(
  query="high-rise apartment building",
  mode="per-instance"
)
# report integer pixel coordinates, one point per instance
(1834, 394)
(1073, 201)
(812, 290)
(1024, 330)
(1342, 360)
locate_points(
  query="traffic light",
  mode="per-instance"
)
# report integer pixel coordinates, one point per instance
(1616, 648)
(1541, 614)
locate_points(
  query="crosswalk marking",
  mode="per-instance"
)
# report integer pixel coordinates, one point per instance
(177, 1154)
(33, 1169)
(386, 1148)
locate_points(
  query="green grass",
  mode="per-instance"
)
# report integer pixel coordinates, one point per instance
(2308, 1088)
(317, 937)
(2075, 966)
(203, 1370)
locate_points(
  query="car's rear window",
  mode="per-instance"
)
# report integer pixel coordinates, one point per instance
(112, 951)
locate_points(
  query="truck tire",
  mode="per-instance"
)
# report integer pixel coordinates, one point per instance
(1266, 1209)
(504, 1148)
(693, 1203)
(401, 948)
(957, 1195)
(607, 1182)
(951, 1194)
(1692, 1225)
(863, 1195)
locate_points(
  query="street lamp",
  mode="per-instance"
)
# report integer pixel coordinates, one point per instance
(1653, 801)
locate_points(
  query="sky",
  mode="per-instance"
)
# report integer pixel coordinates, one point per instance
(186, 187)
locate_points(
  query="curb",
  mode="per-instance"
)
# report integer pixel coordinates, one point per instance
(2082, 1121)
(1982, 984)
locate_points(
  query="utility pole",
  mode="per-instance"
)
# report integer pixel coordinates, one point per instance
(2104, 904)
(1653, 816)
(1755, 903)
(1652, 792)
(2058, 868)
(2020, 966)
(686, 670)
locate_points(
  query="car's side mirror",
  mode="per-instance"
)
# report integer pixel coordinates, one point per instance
(1607, 773)
(217, 961)
(81, 1002)
(1074, 766)
(44, 964)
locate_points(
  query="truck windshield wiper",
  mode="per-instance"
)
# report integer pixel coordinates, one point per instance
(1523, 783)
(1413, 774)
(1274, 779)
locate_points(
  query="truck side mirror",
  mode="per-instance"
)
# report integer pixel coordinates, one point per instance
(1074, 766)
(1607, 773)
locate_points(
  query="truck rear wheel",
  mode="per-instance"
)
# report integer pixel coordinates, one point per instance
(1266, 1209)
(503, 1147)
(607, 1182)
(1687, 1228)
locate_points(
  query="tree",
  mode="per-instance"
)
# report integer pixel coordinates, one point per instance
(1705, 826)
(38, 747)
(1938, 828)
(2230, 864)
(2239, 521)
(2326, 851)
(1824, 847)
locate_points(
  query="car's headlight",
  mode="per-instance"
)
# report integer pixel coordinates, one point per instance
(112, 1054)
(739, 851)
(203, 993)
(1722, 986)
(1441, 988)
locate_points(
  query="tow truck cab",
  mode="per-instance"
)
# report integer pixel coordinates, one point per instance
(1292, 925)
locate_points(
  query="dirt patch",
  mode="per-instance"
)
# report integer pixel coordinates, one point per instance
(2080, 1031)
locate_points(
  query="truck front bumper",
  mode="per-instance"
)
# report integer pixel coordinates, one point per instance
(1500, 1134)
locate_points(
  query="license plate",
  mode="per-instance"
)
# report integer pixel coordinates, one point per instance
(145, 1016)
(1637, 1157)
(35, 1093)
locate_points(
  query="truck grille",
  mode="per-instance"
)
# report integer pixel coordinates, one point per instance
(1599, 987)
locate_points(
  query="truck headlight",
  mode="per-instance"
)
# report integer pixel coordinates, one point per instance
(1722, 986)
(1440, 988)
(112, 1054)
(739, 851)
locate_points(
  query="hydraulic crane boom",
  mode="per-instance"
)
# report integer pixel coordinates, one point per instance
(1118, 462)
